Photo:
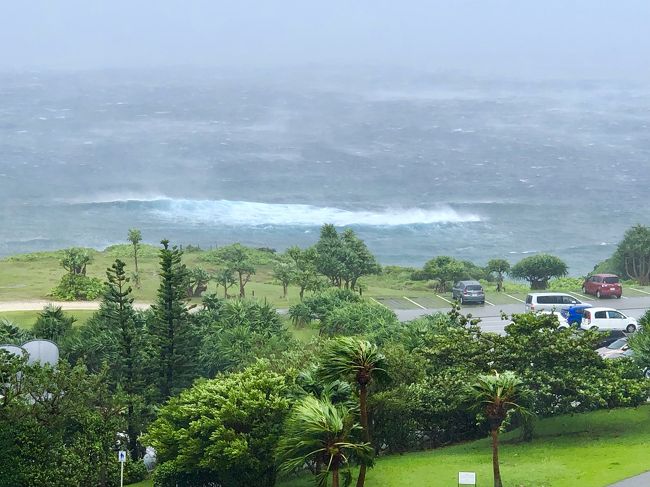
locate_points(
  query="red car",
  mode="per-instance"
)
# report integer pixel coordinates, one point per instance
(601, 285)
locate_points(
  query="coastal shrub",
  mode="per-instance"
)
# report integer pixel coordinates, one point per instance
(53, 324)
(225, 429)
(359, 318)
(565, 284)
(78, 287)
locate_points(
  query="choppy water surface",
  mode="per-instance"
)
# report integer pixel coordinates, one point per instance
(417, 165)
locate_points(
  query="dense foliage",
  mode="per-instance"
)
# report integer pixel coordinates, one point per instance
(539, 269)
(223, 430)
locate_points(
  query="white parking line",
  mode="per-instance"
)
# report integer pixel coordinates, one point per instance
(380, 304)
(417, 304)
(640, 290)
(516, 299)
(489, 303)
(444, 299)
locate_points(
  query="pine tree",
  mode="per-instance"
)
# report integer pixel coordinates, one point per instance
(170, 328)
(120, 321)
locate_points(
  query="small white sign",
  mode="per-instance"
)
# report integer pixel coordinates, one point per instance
(121, 456)
(466, 478)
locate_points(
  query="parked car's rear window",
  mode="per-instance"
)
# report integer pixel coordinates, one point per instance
(611, 280)
(601, 314)
(474, 287)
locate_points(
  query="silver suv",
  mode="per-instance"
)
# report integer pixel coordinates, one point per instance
(468, 292)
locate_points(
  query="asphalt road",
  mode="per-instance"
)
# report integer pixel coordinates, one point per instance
(642, 480)
(491, 315)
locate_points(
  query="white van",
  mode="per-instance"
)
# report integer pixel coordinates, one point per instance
(550, 301)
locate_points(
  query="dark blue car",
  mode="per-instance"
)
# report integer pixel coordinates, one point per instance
(573, 314)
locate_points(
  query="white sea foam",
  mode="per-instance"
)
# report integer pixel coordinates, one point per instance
(251, 213)
(226, 212)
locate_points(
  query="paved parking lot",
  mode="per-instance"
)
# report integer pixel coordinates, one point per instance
(408, 308)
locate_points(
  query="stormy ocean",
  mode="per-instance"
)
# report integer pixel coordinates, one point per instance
(418, 165)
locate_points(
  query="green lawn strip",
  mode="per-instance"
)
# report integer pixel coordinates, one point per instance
(593, 449)
(144, 483)
(26, 319)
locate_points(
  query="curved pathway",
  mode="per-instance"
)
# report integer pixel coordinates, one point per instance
(642, 480)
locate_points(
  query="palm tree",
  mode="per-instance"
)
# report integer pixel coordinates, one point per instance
(360, 361)
(319, 432)
(496, 395)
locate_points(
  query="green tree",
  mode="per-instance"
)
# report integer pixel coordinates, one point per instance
(500, 267)
(358, 261)
(305, 275)
(197, 282)
(284, 272)
(634, 254)
(59, 417)
(53, 324)
(170, 328)
(329, 255)
(539, 269)
(320, 433)
(496, 396)
(125, 331)
(361, 362)
(237, 258)
(135, 237)
(75, 260)
(225, 279)
(445, 270)
(223, 430)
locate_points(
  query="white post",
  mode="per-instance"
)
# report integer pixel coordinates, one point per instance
(121, 474)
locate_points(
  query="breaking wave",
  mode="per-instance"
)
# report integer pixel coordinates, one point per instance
(242, 213)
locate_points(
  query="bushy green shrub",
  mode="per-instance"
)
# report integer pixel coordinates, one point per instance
(134, 472)
(78, 287)
(565, 284)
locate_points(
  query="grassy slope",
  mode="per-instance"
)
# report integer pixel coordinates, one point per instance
(593, 449)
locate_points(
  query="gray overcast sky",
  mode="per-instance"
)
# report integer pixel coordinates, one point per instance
(550, 38)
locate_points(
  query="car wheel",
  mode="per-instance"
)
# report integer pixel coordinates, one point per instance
(593, 328)
(598, 294)
(630, 328)
(618, 296)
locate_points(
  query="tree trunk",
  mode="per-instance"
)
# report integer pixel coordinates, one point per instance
(335, 477)
(242, 292)
(284, 290)
(365, 432)
(495, 458)
(302, 292)
(135, 257)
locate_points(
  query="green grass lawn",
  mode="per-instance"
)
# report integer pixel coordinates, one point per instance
(28, 277)
(591, 450)
(26, 319)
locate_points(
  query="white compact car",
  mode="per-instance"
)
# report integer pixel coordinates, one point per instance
(607, 319)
